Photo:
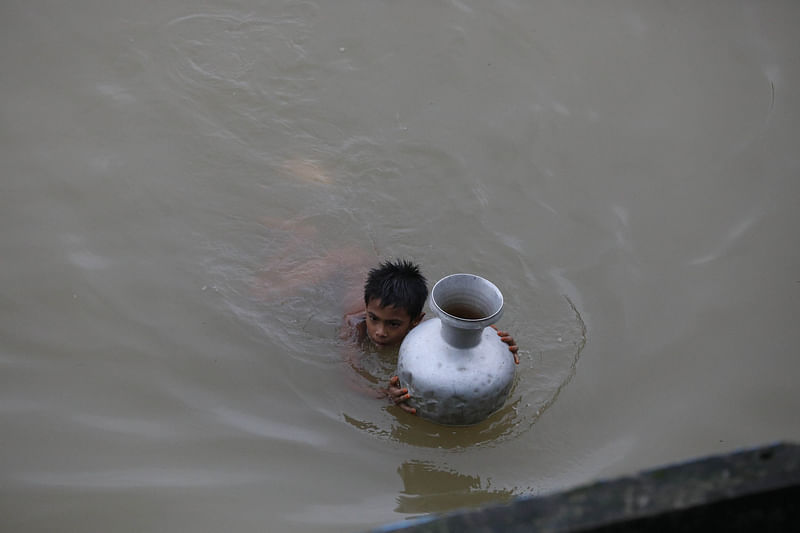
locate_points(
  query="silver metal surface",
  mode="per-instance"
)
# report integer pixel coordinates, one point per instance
(456, 368)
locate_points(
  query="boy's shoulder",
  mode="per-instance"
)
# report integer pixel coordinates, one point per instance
(354, 325)
(355, 318)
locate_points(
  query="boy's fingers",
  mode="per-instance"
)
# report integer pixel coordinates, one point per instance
(509, 340)
(400, 395)
(408, 409)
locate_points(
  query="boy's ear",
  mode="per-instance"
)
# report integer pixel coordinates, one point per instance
(418, 319)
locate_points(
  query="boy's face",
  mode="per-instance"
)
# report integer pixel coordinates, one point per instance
(388, 326)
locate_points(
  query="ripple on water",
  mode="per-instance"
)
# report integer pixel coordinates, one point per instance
(555, 343)
(163, 476)
(241, 76)
(305, 323)
(235, 48)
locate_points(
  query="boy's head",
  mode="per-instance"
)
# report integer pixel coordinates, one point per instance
(394, 295)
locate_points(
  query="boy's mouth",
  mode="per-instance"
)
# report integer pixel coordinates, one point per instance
(379, 343)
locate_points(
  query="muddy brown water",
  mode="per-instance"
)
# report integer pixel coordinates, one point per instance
(191, 192)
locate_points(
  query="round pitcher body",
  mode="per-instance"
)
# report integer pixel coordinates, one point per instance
(456, 368)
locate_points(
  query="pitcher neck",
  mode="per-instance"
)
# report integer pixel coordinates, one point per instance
(461, 338)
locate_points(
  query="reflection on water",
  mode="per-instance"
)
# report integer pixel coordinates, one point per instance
(490, 432)
(428, 488)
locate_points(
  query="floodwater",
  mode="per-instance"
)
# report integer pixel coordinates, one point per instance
(191, 191)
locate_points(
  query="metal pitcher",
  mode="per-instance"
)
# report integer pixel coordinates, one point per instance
(456, 368)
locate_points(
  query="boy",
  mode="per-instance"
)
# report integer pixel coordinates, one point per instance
(394, 295)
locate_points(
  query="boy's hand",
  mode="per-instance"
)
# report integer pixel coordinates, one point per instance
(512, 345)
(399, 395)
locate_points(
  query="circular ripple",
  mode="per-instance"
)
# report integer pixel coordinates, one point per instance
(556, 343)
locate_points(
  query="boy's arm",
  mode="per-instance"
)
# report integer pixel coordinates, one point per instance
(354, 329)
(351, 333)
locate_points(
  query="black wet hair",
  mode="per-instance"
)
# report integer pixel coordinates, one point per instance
(399, 284)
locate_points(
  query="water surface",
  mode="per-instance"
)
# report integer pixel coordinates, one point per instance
(191, 193)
